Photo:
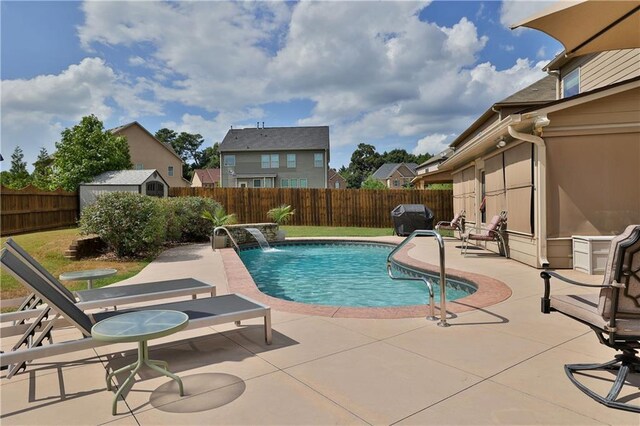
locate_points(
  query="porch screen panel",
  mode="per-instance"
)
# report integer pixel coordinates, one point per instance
(469, 178)
(519, 186)
(494, 185)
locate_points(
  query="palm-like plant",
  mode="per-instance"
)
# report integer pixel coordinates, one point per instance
(281, 214)
(219, 217)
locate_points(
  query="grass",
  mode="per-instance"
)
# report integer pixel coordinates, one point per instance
(48, 248)
(326, 231)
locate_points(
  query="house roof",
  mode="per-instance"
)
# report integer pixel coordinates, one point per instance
(333, 173)
(135, 123)
(276, 138)
(538, 93)
(208, 175)
(387, 169)
(438, 158)
(124, 177)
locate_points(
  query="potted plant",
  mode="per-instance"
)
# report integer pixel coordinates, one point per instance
(219, 218)
(281, 215)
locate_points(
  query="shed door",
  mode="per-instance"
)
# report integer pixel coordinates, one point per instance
(155, 189)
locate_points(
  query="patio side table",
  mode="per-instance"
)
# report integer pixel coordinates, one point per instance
(140, 326)
(89, 275)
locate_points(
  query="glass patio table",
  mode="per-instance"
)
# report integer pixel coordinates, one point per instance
(89, 275)
(140, 327)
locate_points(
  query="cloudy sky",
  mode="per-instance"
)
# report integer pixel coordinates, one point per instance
(397, 74)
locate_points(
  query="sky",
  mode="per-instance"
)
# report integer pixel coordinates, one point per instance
(408, 75)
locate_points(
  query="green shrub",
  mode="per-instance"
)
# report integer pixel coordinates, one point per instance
(131, 224)
(184, 218)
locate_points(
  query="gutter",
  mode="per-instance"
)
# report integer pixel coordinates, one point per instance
(540, 159)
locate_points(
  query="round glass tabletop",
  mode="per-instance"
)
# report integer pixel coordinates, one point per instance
(90, 274)
(140, 325)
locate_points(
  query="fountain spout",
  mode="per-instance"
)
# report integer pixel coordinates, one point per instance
(260, 238)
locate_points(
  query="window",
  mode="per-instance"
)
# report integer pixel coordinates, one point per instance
(284, 183)
(155, 189)
(270, 161)
(257, 183)
(571, 83)
(229, 160)
(337, 184)
(303, 183)
(170, 171)
(293, 183)
(291, 161)
(139, 166)
(318, 159)
(396, 183)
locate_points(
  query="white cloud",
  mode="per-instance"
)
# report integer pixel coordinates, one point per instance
(433, 144)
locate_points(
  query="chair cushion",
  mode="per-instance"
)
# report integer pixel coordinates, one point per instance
(585, 308)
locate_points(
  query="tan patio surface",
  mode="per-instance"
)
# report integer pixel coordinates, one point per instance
(500, 364)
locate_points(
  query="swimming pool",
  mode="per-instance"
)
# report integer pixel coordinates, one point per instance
(340, 274)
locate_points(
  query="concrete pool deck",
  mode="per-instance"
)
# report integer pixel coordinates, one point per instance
(497, 364)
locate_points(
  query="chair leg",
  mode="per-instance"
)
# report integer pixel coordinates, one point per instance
(623, 364)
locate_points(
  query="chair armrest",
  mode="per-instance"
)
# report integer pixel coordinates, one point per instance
(545, 301)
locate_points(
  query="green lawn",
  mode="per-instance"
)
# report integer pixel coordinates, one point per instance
(48, 249)
(326, 231)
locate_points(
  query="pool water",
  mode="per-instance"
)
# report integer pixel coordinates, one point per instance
(339, 274)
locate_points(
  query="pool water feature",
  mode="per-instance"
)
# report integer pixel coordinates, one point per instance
(340, 274)
(260, 238)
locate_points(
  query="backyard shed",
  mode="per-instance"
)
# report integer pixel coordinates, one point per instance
(147, 182)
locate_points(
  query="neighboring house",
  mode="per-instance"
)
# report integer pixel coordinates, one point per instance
(563, 168)
(396, 175)
(335, 180)
(147, 152)
(427, 172)
(147, 182)
(206, 178)
(282, 157)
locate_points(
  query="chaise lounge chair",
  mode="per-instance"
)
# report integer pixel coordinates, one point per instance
(204, 312)
(456, 224)
(105, 296)
(613, 314)
(491, 233)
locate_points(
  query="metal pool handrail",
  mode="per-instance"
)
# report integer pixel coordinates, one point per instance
(443, 296)
(216, 229)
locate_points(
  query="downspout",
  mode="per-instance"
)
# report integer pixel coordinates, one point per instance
(540, 222)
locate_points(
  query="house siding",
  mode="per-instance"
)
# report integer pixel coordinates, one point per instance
(603, 69)
(146, 150)
(248, 163)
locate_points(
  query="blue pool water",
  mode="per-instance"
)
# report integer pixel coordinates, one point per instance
(338, 274)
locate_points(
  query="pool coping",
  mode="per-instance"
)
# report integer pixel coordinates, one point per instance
(490, 290)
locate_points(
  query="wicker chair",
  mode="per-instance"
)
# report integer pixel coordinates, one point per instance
(613, 314)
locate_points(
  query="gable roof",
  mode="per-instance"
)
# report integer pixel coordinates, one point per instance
(207, 175)
(438, 158)
(276, 138)
(331, 173)
(167, 146)
(125, 177)
(387, 169)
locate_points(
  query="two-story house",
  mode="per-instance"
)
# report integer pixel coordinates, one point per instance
(147, 152)
(396, 175)
(275, 157)
(563, 168)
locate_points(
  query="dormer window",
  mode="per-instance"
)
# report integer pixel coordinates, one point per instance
(571, 84)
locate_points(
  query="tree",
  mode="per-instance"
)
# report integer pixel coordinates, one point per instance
(17, 177)
(42, 176)
(186, 145)
(208, 158)
(372, 183)
(85, 151)
(364, 161)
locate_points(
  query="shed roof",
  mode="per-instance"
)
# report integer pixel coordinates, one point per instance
(276, 138)
(124, 177)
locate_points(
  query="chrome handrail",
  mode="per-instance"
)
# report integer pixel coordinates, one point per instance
(224, 228)
(443, 296)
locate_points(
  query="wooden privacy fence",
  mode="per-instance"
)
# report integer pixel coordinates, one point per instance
(324, 207)
(30, 209)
